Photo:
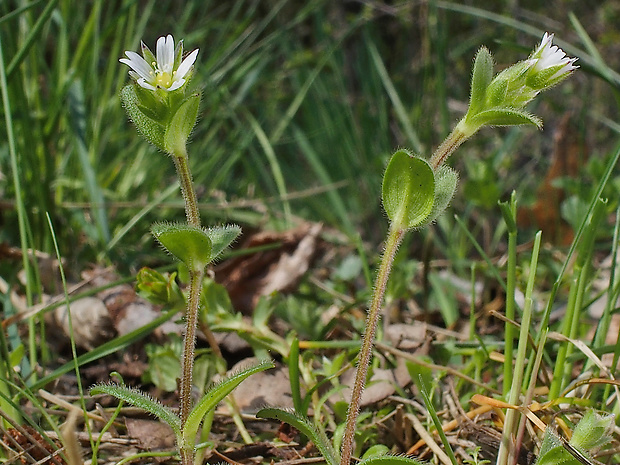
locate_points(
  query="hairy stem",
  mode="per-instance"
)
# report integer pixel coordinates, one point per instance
(193, 304)
(191, 316)
(448, 146)
(395, 236)
(187, 189)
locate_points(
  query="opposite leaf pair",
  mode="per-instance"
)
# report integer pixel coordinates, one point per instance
(185, 433)
(195, 247)
(414, 194)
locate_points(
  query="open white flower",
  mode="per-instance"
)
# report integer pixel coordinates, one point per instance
(166, 70)
(549, 63)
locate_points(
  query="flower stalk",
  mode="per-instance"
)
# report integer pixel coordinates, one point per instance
(416, 191)
(189, 344)
(187, 189)
(393, 241)
(158, 105)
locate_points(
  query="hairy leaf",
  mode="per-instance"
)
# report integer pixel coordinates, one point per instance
(306, 428)
(141, 400)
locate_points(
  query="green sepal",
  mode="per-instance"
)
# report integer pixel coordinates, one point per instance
(141, 400)
(181, 125)
(154, 105)
(178, 54)
(187, 243)
(214, 396)
(305, 427)
(505, 117)
(390, 460)
(496, 92)
(221, 238)
(542, 79)
(144, 119)
(481, 78)
(446, 180)
(408, 190)
(149, 57)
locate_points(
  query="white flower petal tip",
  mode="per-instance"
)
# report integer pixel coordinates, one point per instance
(160, 71)
(548, 56)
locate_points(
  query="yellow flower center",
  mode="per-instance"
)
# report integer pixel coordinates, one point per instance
(164, 80)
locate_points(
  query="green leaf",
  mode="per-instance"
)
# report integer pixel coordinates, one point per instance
(141, 400)
(390, 460)
(446, 180)
(506, 117)
(481, 78)
(152, 130)
(215, 301)
(408, 190)
(189, 244)
(16, 356)
(213, 397)
(164, 364)
(294, 376)
(593, 431)
(181, 125)
(157, 288)
(552, 451)
(377, 450)
(305, 427)
(221, 238)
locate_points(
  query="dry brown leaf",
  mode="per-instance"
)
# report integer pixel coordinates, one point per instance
(267, 388)
(151, 434)
(278, 269)
(382, 384)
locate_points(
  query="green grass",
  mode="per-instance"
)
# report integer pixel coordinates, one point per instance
(303, 103)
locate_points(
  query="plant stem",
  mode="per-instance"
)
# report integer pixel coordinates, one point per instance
(511, 278)
(187, 363)
(395, 236)
(187, 189)
(193, 303)
(448, 146)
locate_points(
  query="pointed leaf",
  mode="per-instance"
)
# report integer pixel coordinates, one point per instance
(593, 431)
(181, 125)
(221, 238)
(214, 396)
(152, 130)
(552, 451)
(390, 460)
(408, 190)
(377, 450)
(141, 400)
(481, 78)
(189, 244)
(506, 117)
(305, 427)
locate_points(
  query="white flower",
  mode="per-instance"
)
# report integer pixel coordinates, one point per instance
(548, 57)
(165, 71)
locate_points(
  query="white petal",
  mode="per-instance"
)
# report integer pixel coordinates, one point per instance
(176, 84)
(146, 85)
(138, 64)
(186, 65)
(543, 47)
(165, 54)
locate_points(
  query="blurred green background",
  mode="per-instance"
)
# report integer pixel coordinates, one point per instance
(303, 103)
